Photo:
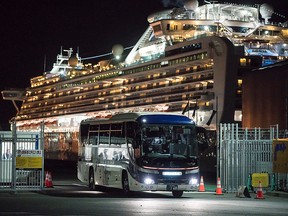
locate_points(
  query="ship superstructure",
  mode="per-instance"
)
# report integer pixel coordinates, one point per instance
(189, 60)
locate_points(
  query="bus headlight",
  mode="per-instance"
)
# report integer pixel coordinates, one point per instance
(148, 181)
(193, 181)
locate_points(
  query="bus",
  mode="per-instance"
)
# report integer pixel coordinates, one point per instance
(139, 152)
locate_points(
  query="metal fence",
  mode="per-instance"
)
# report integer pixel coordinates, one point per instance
(242, 152)
(22, 160)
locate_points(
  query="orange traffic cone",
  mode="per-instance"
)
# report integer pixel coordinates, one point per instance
(259, 194)
(48, 180)
(201, 186)
(218, 188)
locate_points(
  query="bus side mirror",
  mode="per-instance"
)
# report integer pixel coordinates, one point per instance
(202, 138)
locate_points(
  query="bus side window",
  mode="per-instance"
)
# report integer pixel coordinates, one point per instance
(84, 129)
(133, 134)
(93, 138)
(116, 135)
(104, 137)
(104, 134)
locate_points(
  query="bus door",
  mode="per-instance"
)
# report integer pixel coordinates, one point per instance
(115, 154)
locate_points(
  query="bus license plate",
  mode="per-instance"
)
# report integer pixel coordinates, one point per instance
(172, 187)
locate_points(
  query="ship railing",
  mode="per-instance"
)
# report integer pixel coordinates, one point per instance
(256, 26)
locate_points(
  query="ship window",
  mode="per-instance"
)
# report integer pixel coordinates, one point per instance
(168, 27)
(243, 61)
(239, 83)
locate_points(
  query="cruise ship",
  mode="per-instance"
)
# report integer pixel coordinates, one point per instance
(189, 60)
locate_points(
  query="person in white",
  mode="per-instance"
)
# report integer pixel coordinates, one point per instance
(7, 155)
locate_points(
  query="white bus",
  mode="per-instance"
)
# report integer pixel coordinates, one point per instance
(139, 152)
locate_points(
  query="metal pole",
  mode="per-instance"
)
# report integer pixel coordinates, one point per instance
(216, 112)
(218, 134)
(218, 130)
(42, 150)
(14, 142)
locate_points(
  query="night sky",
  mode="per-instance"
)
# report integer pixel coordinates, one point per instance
(32, 30)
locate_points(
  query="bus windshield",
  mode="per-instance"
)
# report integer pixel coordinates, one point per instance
(168, 145)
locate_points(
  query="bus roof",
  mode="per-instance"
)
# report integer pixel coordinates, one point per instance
(144, 117)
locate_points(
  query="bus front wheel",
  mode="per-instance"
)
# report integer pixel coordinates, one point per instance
(177, 193)
(91, 180)
(125, 183)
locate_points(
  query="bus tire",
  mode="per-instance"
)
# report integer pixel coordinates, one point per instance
(91, 180)
(177, 193)
(125, 183)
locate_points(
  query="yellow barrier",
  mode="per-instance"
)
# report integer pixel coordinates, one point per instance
(280, 156)
(263, 177)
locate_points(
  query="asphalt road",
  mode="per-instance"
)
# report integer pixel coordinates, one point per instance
(76, 200)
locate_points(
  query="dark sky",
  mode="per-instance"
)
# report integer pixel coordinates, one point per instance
(33, 29)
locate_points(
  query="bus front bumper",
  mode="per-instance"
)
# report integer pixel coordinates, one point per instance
(164, 187)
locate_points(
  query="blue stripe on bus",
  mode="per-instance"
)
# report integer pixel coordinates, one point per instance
(164, 119)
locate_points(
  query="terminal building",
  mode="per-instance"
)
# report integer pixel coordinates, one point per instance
(265, 97)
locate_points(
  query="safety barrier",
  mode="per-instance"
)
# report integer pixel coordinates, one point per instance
(22, 160)
(242, 152)
(280, 163)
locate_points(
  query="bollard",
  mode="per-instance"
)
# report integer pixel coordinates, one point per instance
(249, 183)
(272, 182)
